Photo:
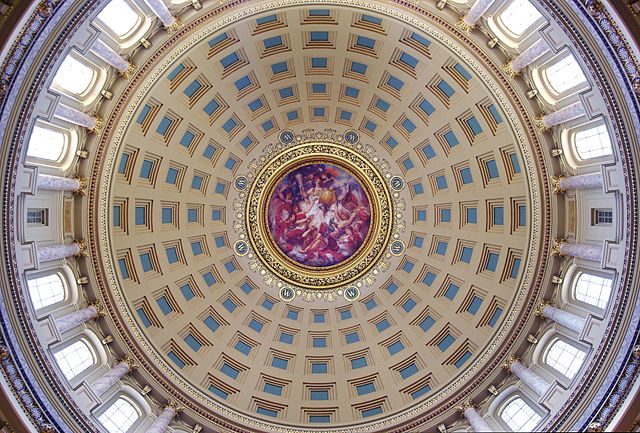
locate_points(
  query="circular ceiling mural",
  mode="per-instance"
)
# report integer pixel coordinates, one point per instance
(350, 216)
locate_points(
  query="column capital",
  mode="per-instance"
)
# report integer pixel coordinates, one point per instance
(82, 246)
(555, 183)
(129, 361)
(636, 351)
(173, 27)
(555, 247)
(82, 189)
(97, 129)
(129, 72)
(540, 308)
(464, 26)
(512, 359)
(170, 404)
(100, 312)
(467, 404)
(539, 122)
(509, 70)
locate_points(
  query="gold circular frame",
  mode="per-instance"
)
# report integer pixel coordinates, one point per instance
(361, 261)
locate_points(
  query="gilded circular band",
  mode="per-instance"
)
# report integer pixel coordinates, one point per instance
(296, 273)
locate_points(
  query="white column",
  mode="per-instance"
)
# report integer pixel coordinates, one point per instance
(528, 56)
(76, 318)
(588, 252)
(106, 53)
(582, 181)
(562, 317)
(111, 377)
(563, 115)
(57, 183)
(53, 252)
(76, 117)
(160, 9)
(162, 422)
(477, 10)
(535, 382)
(477, 422)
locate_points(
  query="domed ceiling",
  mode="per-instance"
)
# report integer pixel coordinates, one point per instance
(404, 95)
(320, 216)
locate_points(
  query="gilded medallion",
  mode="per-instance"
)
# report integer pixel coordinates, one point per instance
(319, 215)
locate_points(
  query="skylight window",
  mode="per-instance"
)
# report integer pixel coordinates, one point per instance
(565, 74)
(119, 17)
(74, 76)
(564, 358)
(593, 289)
(46, 143)
(119, 417)
(74, 359)
(593, 142)
(519, 416)
(45, 291)
(519, 16)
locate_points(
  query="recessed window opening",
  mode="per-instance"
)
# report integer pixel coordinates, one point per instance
(74, 359)
(47, 143)
(45, 291)
(119, 417)
(37, 217)
(602, 217)
(564, 358)
(519, 416)
(119, 17)
(593, 142)
(565, 74)
(74, 76)
(593, 289)
(519, 16)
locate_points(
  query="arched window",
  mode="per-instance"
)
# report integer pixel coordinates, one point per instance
(564, 358)
(74, 359)
(46, 290)
(120, 18)
(119, 416)
(593, 142)
(519, 16)
(46, 143)
(519, 416)
(593, 289)
(564, 74)
(74, 76)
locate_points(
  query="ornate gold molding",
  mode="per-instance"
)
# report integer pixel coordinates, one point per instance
(555, 183)
(540, 308)
(539, 122)
(468, 404)
(129, 72)
(509, 362)
(509, 70)
(173, 27)
(555, 247)
(464, 26)
(82, 189)
(82, 245)
(99, 125)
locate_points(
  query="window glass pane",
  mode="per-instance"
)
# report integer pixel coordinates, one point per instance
(564, 358)
(565, 74)
(593, 289)
(119, 17)
(519, 416)
(519, 16)
(74, 359)
(119, 417)
(73, 76)
(593, 142)
(46, 143)
(45, 291)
